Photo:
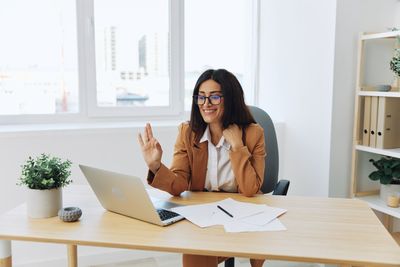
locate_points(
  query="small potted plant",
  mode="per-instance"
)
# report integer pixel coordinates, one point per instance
(388, 173)
(45, 176)
(395, 65)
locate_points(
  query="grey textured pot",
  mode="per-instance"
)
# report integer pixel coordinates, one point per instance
(44, 203)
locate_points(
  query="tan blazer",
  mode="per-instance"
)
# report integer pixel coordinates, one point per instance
(189, 164)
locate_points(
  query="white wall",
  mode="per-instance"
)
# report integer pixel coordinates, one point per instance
(353, 17)
(296, 77)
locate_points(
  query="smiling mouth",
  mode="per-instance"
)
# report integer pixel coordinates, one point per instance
(209, 110)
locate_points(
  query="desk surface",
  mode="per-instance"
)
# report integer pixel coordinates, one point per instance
(324, 230)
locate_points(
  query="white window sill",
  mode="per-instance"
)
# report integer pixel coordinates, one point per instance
(83, 126)
(94, 126)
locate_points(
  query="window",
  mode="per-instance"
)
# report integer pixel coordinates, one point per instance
(101, 58)
(38, 66)
(218, 34)
(132, 52)
(137, 58)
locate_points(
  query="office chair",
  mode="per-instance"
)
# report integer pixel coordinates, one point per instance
(270, 183)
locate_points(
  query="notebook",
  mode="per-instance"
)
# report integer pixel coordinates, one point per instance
(126, 195)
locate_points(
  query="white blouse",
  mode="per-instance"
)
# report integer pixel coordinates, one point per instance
(219, 176)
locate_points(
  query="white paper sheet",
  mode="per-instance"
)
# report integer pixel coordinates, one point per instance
(269, 214)
(247, 217)
(237, 227)
(201, 215)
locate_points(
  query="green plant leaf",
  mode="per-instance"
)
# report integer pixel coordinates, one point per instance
(375, 175)
(386, 179)
(45, 172)
(388, 169)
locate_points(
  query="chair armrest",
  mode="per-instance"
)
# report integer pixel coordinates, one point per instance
(281, 188)
(230, 262)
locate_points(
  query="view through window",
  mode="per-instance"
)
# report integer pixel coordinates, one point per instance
(133, 59)
(132, 52)
(38, 57)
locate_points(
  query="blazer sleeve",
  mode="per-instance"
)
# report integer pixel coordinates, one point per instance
(248, 162)
(174, 180)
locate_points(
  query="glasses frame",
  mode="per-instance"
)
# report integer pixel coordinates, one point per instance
(210, 98)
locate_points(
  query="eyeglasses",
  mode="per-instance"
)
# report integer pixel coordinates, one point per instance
(213, 99)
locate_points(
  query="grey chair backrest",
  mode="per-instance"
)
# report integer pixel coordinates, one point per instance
(271, 147)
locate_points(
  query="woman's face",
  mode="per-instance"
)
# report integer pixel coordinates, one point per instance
(212, 114)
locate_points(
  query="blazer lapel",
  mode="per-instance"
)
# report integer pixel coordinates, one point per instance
(200, 159)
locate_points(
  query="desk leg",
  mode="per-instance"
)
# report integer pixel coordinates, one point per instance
(72, 256)
(5, 253)
(388, 222)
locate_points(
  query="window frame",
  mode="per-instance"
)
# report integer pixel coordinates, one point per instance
(176, 66)
(88, 109)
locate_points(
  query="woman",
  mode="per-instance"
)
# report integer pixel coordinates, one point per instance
(221, 148)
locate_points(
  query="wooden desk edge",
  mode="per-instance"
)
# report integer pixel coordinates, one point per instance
(72, 253)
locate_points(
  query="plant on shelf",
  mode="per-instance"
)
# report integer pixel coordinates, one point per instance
(395, 62)
(45, 172)
(388, 170)
(45, 176)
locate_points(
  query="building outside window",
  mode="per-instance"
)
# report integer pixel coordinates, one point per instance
(132, 53)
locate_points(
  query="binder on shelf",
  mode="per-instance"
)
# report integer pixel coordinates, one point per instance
(367, 121)
(388, 124)
(374, 119)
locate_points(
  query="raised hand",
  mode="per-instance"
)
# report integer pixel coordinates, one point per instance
(233, 135)
(151, 148)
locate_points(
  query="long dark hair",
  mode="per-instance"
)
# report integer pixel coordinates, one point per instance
(235, 109)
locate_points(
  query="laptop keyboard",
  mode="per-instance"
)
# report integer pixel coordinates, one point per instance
(166, 214)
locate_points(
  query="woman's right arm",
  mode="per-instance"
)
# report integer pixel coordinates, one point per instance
(176, 179)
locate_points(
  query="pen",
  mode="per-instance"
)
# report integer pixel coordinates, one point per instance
(230, 215)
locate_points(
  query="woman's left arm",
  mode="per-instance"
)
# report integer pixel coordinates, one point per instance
(248, 160)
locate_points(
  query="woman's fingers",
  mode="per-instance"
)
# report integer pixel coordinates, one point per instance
(140, 139)
(147, 140)
(149, 131)
(145, 135)
(157, 145)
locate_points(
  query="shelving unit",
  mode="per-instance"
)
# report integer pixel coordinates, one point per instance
(372, 93)
(361, 186)
(395, 152)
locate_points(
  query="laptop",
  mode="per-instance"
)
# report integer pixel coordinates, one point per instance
(126, 195)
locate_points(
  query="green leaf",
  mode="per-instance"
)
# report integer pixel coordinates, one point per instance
(45, 172)
(386, 179)
(388, 169)
(375, 176)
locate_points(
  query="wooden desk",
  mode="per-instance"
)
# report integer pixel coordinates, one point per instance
(323, 230)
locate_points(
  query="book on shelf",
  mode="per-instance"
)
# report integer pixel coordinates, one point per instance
(367, 121)
(374, 121)
(388, 123)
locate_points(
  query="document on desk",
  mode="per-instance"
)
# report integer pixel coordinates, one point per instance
(235, 216)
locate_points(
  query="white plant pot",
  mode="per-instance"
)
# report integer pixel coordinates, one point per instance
(5, 249)
(44, 203)
(389, 190)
